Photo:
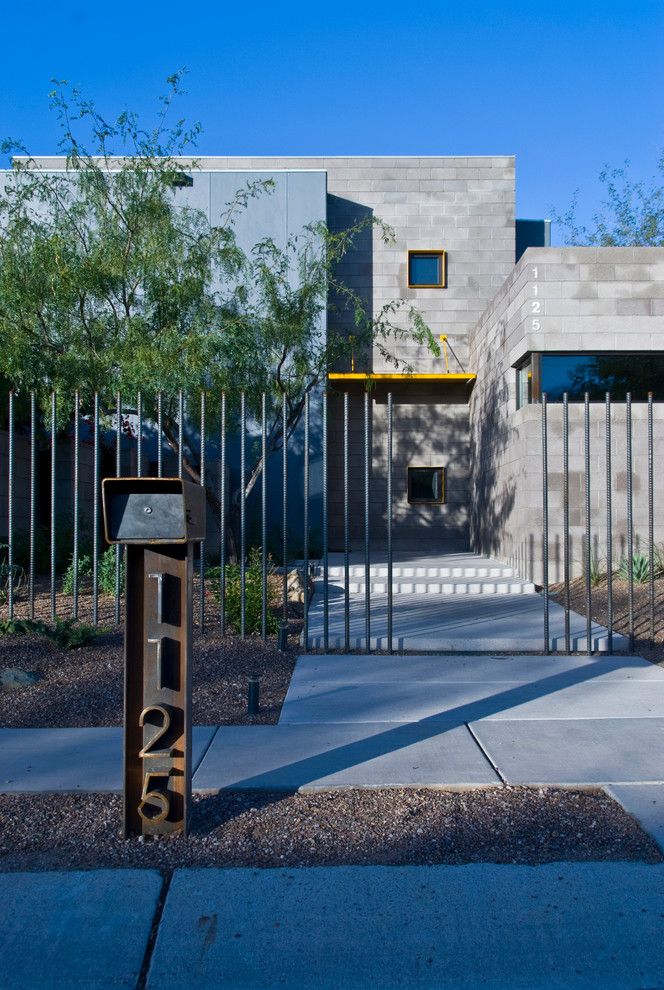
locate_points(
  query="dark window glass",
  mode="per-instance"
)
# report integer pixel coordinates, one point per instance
(426, 484)
(598, 374)
(425, 268)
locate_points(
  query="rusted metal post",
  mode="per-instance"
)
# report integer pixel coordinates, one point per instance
(159, 519)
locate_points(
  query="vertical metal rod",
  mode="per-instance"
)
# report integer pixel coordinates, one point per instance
(389, 522)
(118, 473)
(222, 520)
(545, 522)
(284, 506)
(95, 516)
(367, 545)
(609, 526)
(651, 520)
(53, 468)
(180, 430)
(566, 555)
(10, 508)
(346, 534)
(326, 562)
(77, 408)
(139, 435)
(630, 520)
(588, 549)
(201, 557)
(160, 427)
(243, 507)
(33, 499)
(305, 554)
(264, 517)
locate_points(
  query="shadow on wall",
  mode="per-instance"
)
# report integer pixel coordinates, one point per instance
(428, 429)
(493, 498)
(355, 270)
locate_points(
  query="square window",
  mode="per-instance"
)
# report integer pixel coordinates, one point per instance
(426, 269)
(426, 484)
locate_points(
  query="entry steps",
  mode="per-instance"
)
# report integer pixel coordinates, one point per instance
(445, 578)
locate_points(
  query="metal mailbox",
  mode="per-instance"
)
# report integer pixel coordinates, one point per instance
(159, 520)
(153, 510)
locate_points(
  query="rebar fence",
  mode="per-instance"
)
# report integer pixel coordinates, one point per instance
(597, 487)
(55, 564)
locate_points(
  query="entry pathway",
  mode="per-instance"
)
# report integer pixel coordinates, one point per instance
(446, 602)
(578, 926)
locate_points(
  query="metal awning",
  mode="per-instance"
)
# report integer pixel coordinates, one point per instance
(398, 376)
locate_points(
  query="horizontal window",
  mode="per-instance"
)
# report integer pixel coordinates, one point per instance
(575, 374)
(426, 270)
(426, 484)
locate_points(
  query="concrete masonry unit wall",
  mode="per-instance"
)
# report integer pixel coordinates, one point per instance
(589, 299)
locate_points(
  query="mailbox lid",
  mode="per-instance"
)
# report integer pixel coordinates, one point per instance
(153, 510)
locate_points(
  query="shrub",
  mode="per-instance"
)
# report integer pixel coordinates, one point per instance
(105, 572)
(65, 633)
(641, 567)
(253, 585)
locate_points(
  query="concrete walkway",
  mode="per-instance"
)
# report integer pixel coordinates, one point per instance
(405, 721)
(564, 925)
(454, 622)
(444, 602)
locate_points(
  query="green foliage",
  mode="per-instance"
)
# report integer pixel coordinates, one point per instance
(631, 213)
(641, 567)
(105, 572)
(65, 633)
(596, 571)
(108, 281)
(253, 584)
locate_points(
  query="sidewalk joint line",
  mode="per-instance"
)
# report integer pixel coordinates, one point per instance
(205, 752)
(154, 930)
(485, 754)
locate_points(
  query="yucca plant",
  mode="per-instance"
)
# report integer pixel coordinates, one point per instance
(641, 567)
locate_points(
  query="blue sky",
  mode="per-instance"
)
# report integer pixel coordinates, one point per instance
(564, 86)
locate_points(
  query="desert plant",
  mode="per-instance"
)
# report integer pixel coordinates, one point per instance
(13, 576)
(641, 567)
(65, 633)
(253, 585)
(105, 572)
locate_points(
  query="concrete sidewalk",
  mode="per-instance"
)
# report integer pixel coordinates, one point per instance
(574, 926)
(427, 721)
(454, 622)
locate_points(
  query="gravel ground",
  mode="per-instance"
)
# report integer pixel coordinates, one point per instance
(599, 612)
(84, 686)
(259, 829)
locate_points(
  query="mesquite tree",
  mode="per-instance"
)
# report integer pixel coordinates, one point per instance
(631, 213)
(108, 283)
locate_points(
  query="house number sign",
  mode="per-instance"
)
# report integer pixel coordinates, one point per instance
(159, 520)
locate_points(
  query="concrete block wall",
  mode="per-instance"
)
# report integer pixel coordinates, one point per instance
(462, 204)
(427, 431)
(584, 295)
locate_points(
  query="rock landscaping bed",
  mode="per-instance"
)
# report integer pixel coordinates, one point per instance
(259, 829)
(599, 611)
(84, 686)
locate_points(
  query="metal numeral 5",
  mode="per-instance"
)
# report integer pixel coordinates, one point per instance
(159, 798)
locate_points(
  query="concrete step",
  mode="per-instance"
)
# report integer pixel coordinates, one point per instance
(431, 586)
(411, 571)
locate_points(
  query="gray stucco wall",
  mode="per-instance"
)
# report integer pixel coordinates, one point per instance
(589, 299)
